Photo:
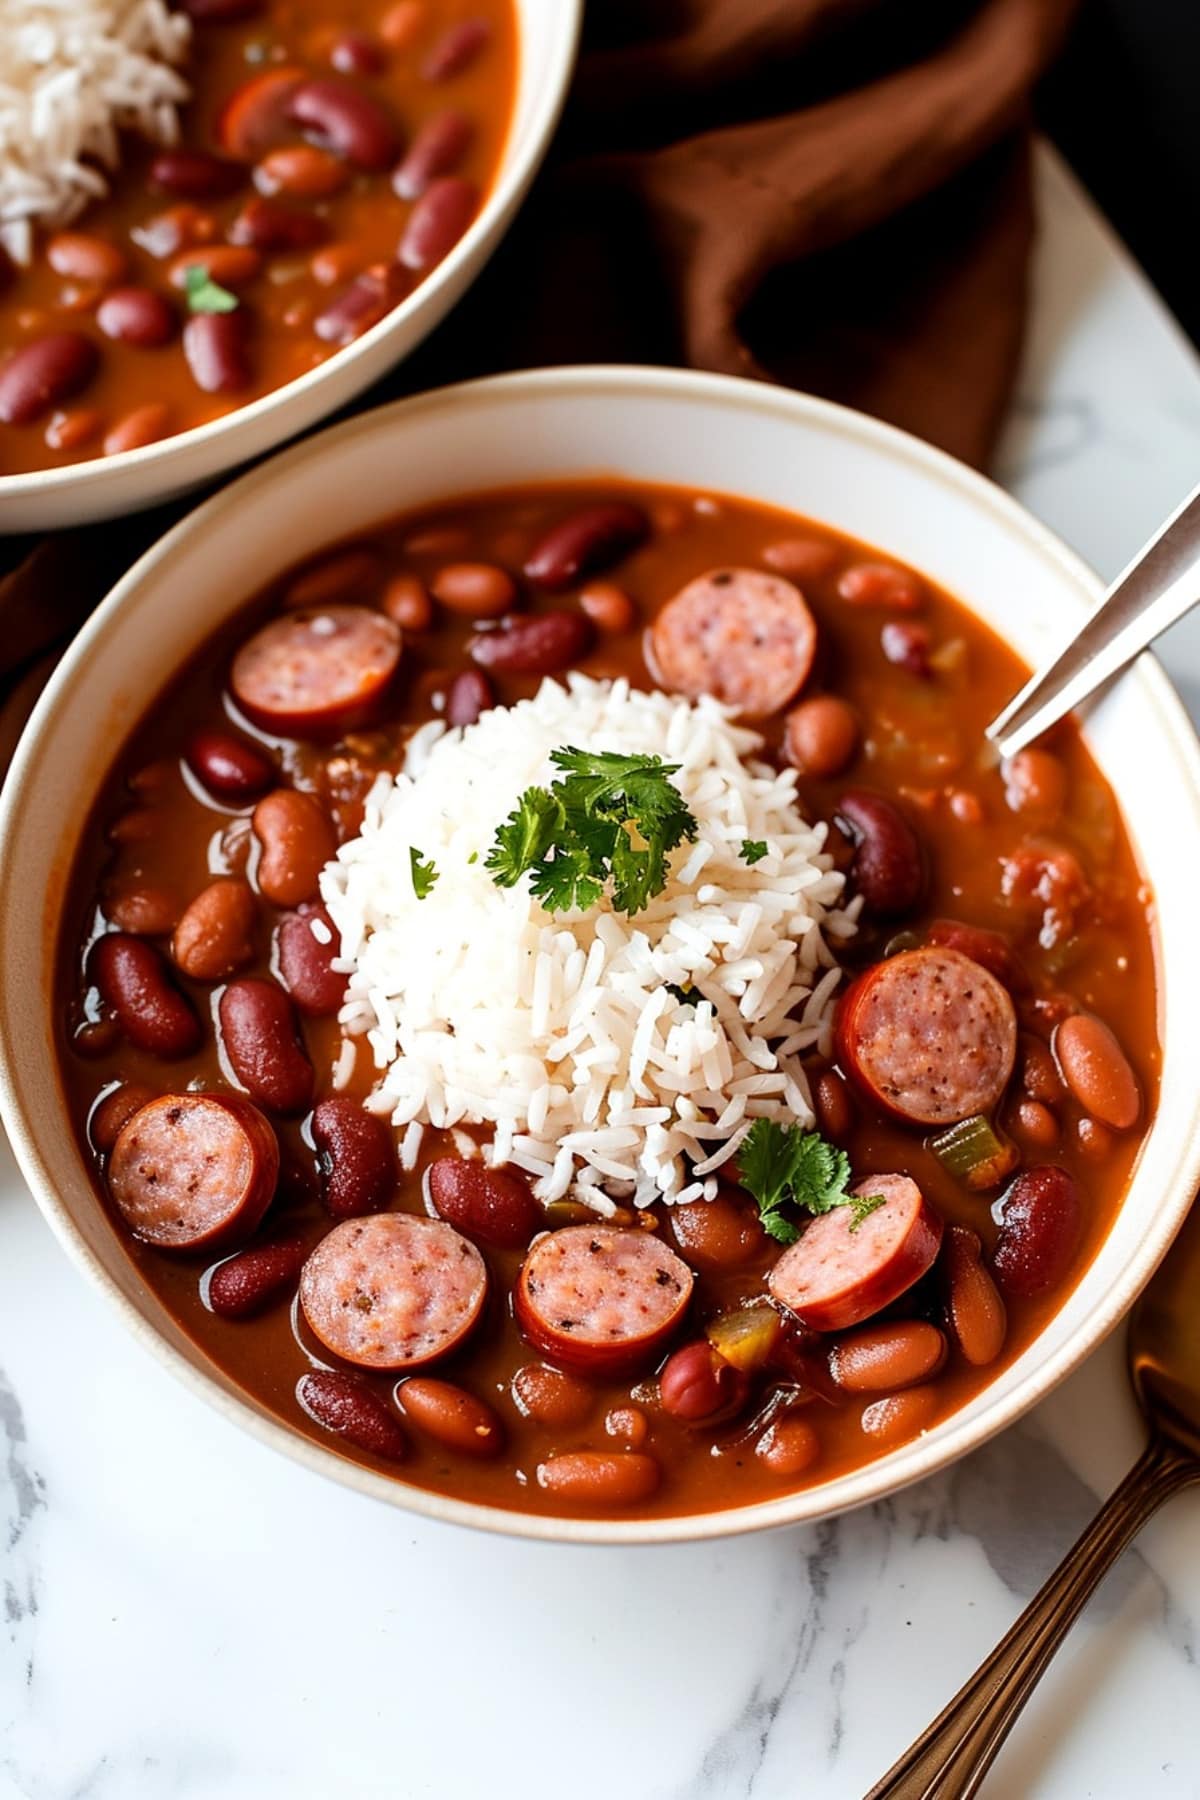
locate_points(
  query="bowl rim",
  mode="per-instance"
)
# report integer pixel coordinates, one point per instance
(512, 178)
(884, 1475)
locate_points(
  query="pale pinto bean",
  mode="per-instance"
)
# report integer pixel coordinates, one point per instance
(476, 590)
(229, 265)
(71, 430)
(403, 23)
(609, 607)
(800, 559)
(835, 1107)
(821, 735)
(976, 1313)
(297, 841)
(406, 602)
(554, 1399)
(1097, 1071)
(788, 1447)
(880, 1358)
(1035, 1124)
(78, 256)
(881, 584)
(599, 1478)
(144, 425)
(144, 911)
(302, 172)
(215, 936)
(628, 1425)
(451, 1415)
(898, 1417)
(1095, 1140)
(1035, 782)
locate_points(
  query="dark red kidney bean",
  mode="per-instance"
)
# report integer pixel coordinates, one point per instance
(228, 766)
(535, 644)
(346, 120)
(907, 645)
(79, 256)
(220, 12)
(699, 1387)
(591, 539)
(834, 1106)
(43, 373)
(450, 1414)
(469, 696)
(136, 315)
(195, 174)
(437, 221)
(134, 980)
(356, 53)
(247, 1283)
(368, 298)
(305, 962)
(437, 149)
(456, 49)
(494, 1205)
(887, 868)
(216, 351)
(358, 1166)
(266, 225)
(1041, 1223)
(348, 1407)
(192, 1171)
(109, 1116)
(990, 949)
(258, 1030)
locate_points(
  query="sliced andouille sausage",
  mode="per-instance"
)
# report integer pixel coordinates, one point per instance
(929, 1035)
(393, 1291)
(746, 637)
(192, 1171)
(317, 671)
(838, 1274)
(599, 1300)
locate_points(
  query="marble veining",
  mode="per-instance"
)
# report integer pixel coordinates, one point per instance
(186, 1617)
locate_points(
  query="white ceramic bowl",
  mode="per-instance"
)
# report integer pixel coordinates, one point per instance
(702, 431)
(109, 486)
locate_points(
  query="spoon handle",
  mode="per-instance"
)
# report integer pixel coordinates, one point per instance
(1158, 587)
(952, 1756)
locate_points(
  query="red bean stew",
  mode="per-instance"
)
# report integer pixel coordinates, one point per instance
(331, 156)
(444, 1327)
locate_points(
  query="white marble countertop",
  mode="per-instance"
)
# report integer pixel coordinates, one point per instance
(184, 1615)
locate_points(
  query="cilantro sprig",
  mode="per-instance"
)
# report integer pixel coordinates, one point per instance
(204, 295)
(783, 1166)
(753, 850)
(611, 819)
(424, 873)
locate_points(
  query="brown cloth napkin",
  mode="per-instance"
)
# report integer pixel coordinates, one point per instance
(830, 193)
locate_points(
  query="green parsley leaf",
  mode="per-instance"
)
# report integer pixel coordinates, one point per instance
(754, 849)
(610, 819)
(783, 1166)
(424, 874)
(203, 293)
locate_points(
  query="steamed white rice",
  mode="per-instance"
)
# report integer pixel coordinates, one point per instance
(559, 1033)
(73, 74)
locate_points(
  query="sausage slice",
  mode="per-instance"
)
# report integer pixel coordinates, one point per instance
(834, 1276)
(317, 671)
(929, 1035)
(601, 1300)
(393, 1291)
(746, 637)
(192, 1171)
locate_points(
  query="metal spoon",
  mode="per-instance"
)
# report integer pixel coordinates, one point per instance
(1159, 586)
(951, 1758)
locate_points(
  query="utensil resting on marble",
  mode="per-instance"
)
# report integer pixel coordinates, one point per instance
(950, 1759)
(1158, 587)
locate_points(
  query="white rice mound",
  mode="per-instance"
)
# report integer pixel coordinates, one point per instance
(74, 73)
(559, 1032)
